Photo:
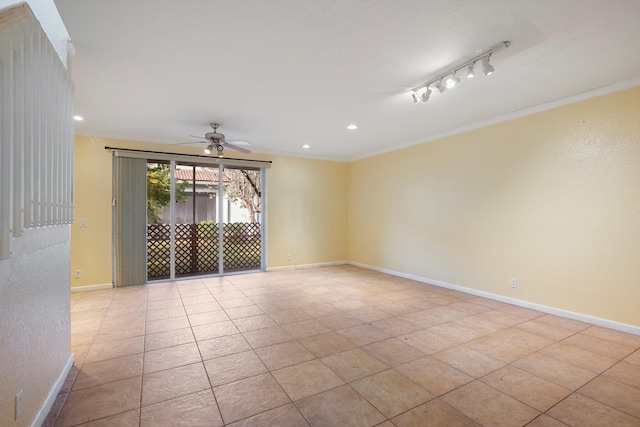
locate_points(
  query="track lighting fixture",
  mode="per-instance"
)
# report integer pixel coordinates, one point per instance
(470, 72)
(452, 81)
(487, 69)
(441, 82)
(208, 149)
(425, 95)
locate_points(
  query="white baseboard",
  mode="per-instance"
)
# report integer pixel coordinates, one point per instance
(53, 394)
(91, 287)
(623, 327)
(281, 268)
(302, 266)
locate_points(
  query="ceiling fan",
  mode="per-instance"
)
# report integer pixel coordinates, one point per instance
(217, 142)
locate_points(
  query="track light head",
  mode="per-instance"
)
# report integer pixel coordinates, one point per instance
(441, 86)
(470, 72)
(487, 69)
(424, 97)
(208, 149)
(452, 81)
(423, 94)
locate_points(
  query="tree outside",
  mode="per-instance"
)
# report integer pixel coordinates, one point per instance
(197, 248)
(241, 186)
(244, 186)
(158, 191)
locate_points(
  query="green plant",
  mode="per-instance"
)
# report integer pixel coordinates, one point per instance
(208, 229)
(158, 191)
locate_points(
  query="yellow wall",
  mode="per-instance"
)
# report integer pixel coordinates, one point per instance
(306, 214)
(551, 199)
(91, 245)
(307, 211)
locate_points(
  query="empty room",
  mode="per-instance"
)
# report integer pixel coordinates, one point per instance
(319, 213)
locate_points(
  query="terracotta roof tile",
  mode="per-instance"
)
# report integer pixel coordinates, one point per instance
(202, 174)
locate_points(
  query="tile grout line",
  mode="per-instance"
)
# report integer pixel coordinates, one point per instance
(342, 311)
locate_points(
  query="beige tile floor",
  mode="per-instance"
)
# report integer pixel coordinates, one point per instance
(337, 346)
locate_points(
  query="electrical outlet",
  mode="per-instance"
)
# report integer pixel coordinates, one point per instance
(78, 274)
(19, 405)
(386, 260)
(514, 283)
(83, 222)
(288, 257)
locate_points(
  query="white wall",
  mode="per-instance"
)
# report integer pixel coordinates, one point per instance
(35, 214)
(47, 14)
(35, 339)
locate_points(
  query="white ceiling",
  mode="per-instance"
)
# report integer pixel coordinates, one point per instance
(283, 73)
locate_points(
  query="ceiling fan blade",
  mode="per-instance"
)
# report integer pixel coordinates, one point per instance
(238, 142)
(235, 147)
(199, 137)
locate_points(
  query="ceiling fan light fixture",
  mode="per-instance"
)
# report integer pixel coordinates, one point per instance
(216, 142)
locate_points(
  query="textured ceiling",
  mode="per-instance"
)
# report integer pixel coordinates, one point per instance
(283, 73)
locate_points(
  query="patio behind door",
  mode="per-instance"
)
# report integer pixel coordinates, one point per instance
(212, 226)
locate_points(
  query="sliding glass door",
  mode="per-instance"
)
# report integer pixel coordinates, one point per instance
(203, 220)
(241, 220)
(196, 237)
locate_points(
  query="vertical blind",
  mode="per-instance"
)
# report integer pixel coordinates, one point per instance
(36, 130)
(130, 209)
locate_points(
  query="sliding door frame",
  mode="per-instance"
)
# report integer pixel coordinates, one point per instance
(197, 160)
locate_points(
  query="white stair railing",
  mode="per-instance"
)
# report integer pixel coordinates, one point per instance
(36, 129)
